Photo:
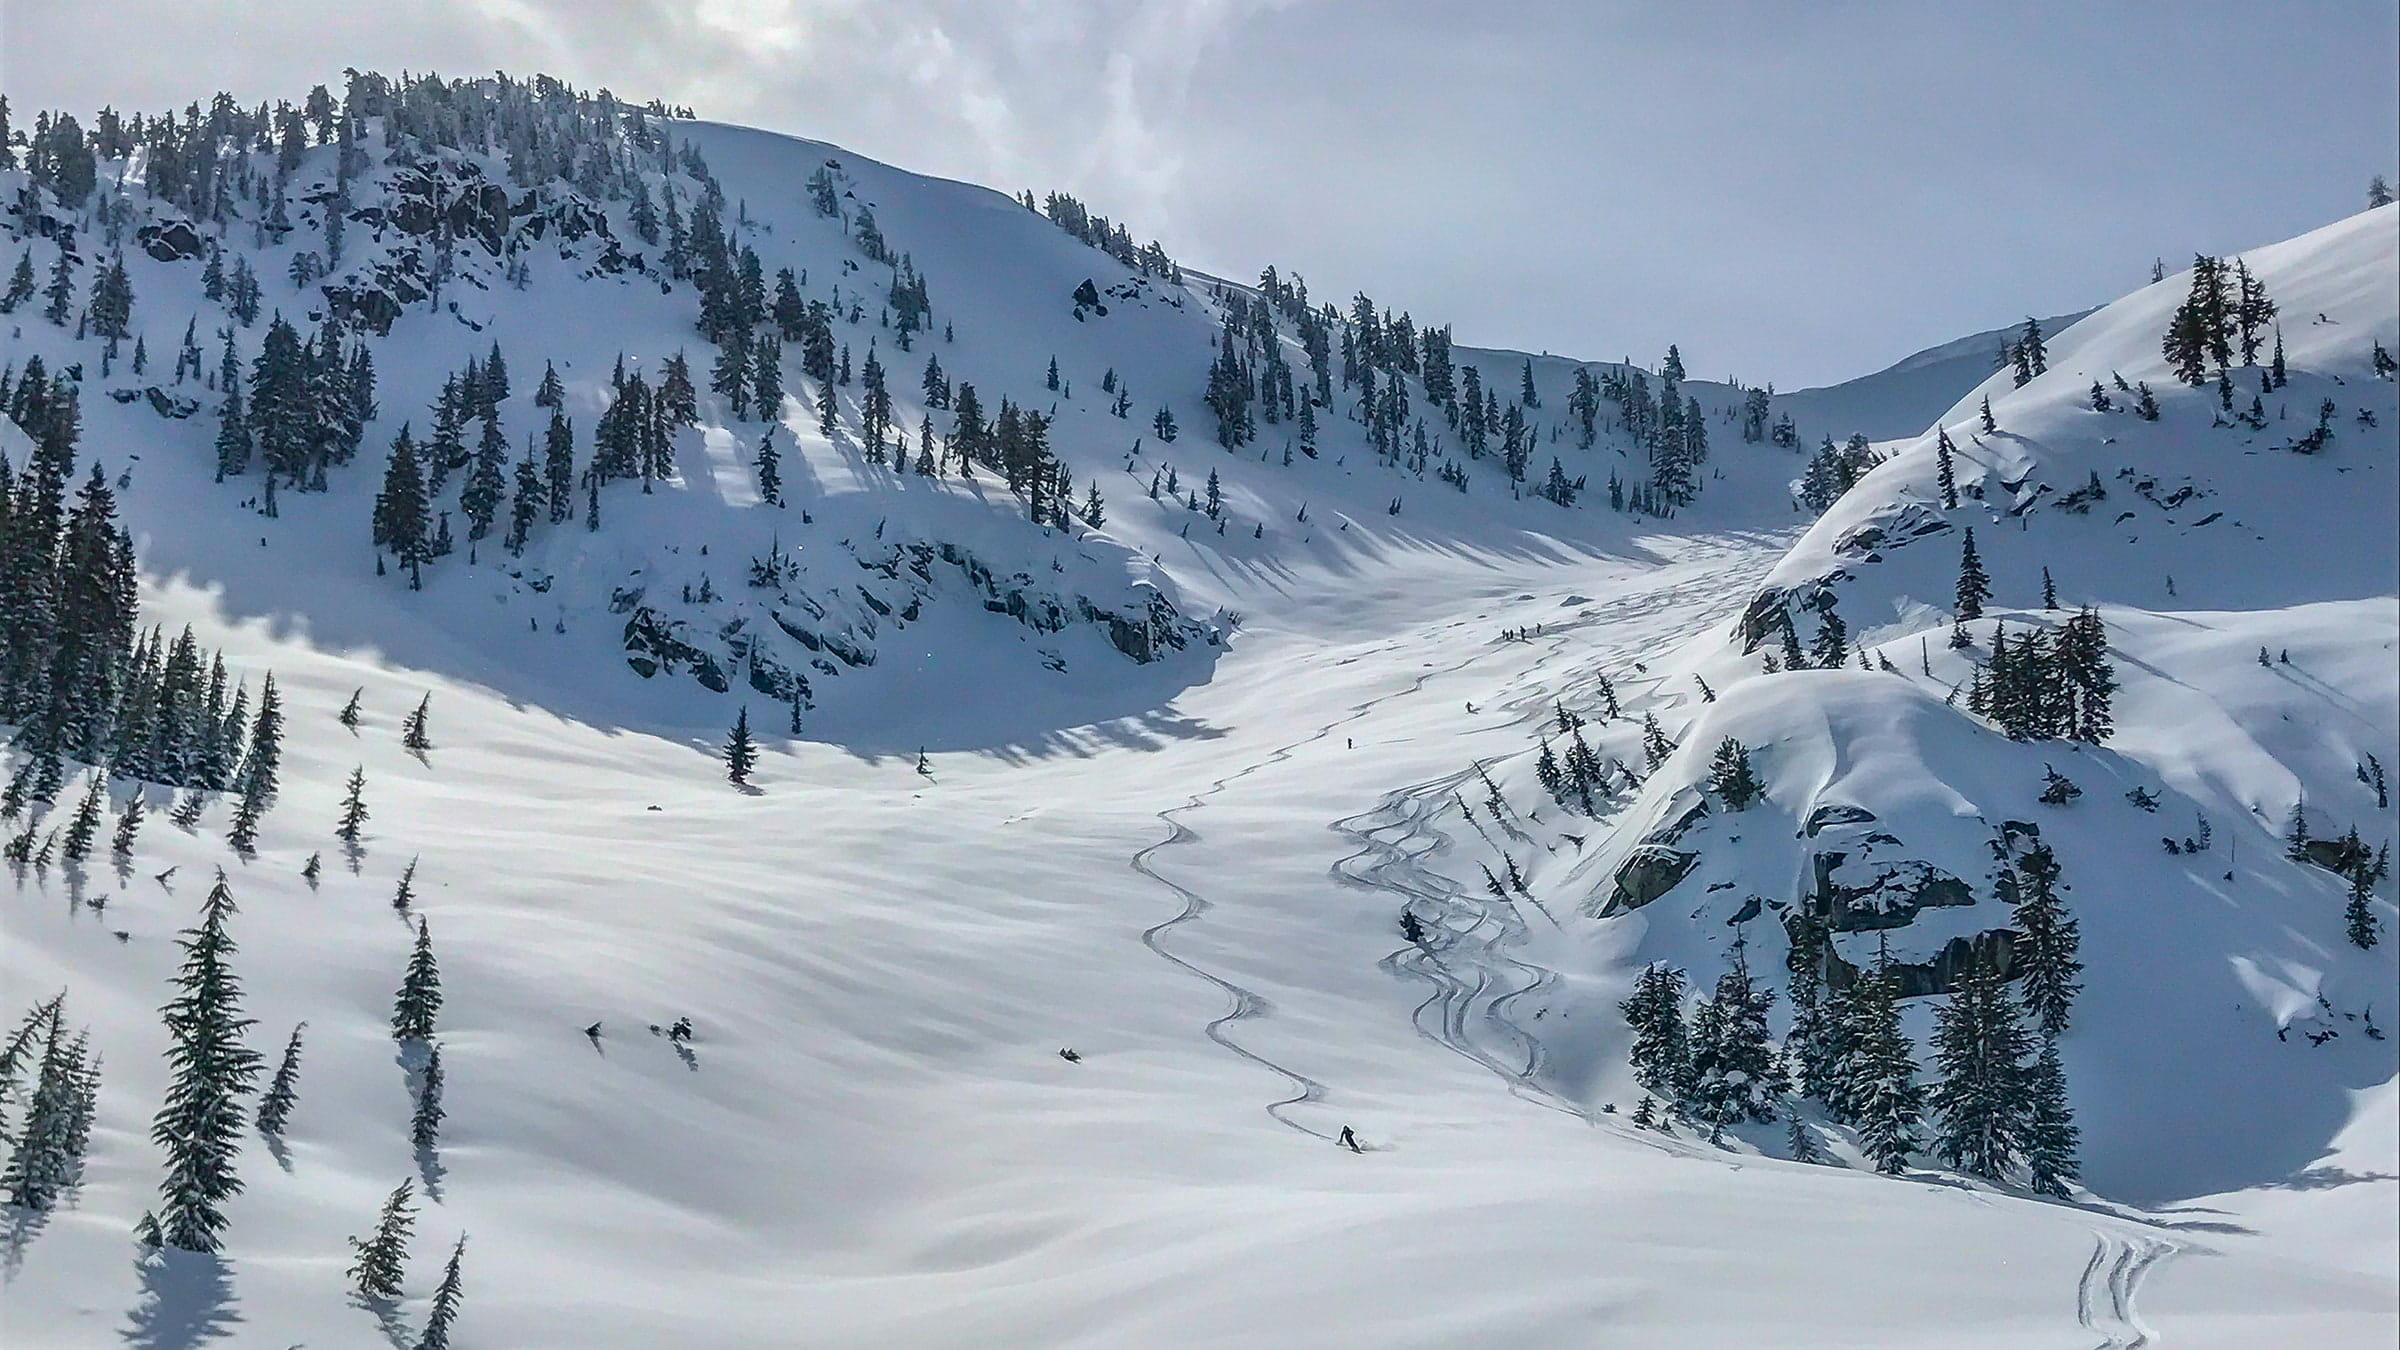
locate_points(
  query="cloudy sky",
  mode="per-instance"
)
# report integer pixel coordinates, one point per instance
(1796, 191)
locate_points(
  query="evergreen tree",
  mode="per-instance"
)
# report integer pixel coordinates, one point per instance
(283, 1091)
(419, 1001)
(414, 734)
(1946, 475)
(1990, 424)
(741, 753)
(349, 714)
(770, 470)
(129, 823)
(200, 1124)
(2358, 914)
(526, 506)
(48, 1156)
(401, 508)
(376, 1273)
(354, 806)
(1832, 646)
(558, 468)
(446, 1297)
(1974, 587)
(1880, 1086)
(425, 1123)
(1980, 1098)
(1655, 745)
(1730, 776)
(1661, 1048)
(85, 827)
(1734, 1075)
(2050, 1134)
(2048, 939)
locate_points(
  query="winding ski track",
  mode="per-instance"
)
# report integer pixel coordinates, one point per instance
(1246, 1003)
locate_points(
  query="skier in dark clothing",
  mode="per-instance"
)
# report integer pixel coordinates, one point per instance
(1349, 1141)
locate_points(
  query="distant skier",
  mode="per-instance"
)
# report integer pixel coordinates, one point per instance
(1349, 1141)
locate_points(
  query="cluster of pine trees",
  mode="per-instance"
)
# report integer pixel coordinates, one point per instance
(1834, 470)
(1578, 779)
(2038, 685)
(78, 676)
(53, 1071)
(2227, 308)
(1996, 1105)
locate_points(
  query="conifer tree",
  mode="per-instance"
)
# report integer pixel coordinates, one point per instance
(414, 734)
(48, 1155)
(1661, 1049)
(1990, 424)
(1800, 1142)
(406, 893)
(1734, 1075)
(419, 1001)
(2048, 939)
(2050, 1134)
(741, 752)
(376, 1273)
(129, 824)
(425, 1123)
(1946, 474)
(446, 1297)
(283, 1091)
(85, 827)
(1974, 587)
(349, 714)
(200, 1124)
(354, 806)
(1880, 1069)
(2358, 913)
(1730, 776)
(1832, 645)
(770, 470)
(1980, 1044)
(261, 765)
(401, 510)
(1655, 745)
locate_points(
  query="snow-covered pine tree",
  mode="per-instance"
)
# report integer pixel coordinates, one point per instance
(2048, 939)
(1730, 775)
(1661, 1049)
(1880, 1070)
(1974, 586)
(1735, 1075)
(1980, 1099)
(283, 1090)
(1655, 745)
(354, 806)
(446, 1298)
(419, 1000)
(414, 733)
(48, 1156)
(377, 1270)
(425, 1123)
(2050, 1134)
(200, 1124)
(2358, 913)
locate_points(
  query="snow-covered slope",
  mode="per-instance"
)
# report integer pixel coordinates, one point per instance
(1186, 863)
(2230, 1037)
(1905, 397)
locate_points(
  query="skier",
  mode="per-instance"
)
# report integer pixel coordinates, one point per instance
(1349, 1141)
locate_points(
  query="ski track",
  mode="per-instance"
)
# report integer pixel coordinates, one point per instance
(2114, 1276)
(1248, 1003)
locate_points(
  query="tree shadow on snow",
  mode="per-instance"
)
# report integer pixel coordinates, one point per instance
(186, 1301)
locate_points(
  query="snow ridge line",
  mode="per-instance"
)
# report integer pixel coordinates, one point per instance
(1249, 1003)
